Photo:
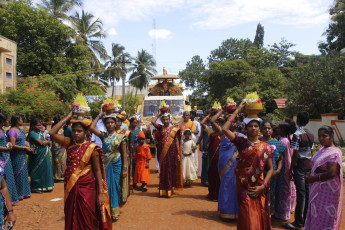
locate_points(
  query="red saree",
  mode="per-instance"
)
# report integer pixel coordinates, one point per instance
(254, 213)
(81, 211)
(213, 174)
(170, 175)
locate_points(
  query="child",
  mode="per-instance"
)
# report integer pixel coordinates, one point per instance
(142, 158)
(189, 167)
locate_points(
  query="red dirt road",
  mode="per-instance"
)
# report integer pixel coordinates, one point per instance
(189, 209)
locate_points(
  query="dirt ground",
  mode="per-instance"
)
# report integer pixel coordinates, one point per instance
(188, 209)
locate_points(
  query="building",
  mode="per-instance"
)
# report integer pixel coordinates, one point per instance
(118, 92)
(8, 60)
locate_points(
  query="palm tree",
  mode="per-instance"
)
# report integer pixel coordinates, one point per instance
(142, 70)
(114, 68)
(88, 33)
(59, 8)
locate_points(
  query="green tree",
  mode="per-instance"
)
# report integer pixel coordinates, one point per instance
(142, 70)
(87, 32)
(259, 36)
(318, 86)
(114, 68)
(281, 54)
(59, 8)
(231, 49)
(194, 75)
(41, 39)
(335, 33)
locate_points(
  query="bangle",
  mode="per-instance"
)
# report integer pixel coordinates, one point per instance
(265, 184)
(124, 167)
(99, 116)
(101, 191)
(157, 116)
(10, 210)
(230, 119)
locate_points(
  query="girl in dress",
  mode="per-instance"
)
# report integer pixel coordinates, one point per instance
(188, 165)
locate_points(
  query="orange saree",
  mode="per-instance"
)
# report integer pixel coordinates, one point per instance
(254, 213)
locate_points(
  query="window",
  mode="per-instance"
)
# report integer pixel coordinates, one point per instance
(8, 75)
(9, 61)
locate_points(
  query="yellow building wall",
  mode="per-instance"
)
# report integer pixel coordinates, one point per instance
(8, 61)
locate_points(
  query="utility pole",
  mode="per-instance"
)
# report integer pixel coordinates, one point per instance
(123, 62)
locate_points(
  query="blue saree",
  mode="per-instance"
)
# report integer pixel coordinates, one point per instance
(227, 197)
(40, 167)
(20, 169)
(9, 177)
(113, 167)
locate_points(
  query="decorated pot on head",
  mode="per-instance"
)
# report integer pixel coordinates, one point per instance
(254, 105)
(195, 108)
(108, 106)
(164, 108)
(80, 109)
(230, 105)
(216, 107)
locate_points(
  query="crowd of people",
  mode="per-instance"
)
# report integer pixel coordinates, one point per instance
(254, 169)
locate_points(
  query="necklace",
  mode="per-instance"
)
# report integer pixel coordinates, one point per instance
(79, 144)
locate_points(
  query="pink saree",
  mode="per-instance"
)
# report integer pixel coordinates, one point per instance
(325, 197)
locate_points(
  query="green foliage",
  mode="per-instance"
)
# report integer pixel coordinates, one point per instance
(259, 36)
(194, 75)
(142, 70)
(95, 107)
(31, 99)
(276, 116)
(335, 33)
(318, 86)
(132, 102)
(41, 38)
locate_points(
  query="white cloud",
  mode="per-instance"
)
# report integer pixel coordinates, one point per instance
(112, 31)
(160, 34)
(219, 14)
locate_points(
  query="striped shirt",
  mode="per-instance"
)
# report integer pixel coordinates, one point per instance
(303, 141)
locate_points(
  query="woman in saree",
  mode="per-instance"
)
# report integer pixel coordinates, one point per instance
(286, 187)
(277, 161)
(18, 157)
(86, 194)
(133, 128)
(215, 138)
(228, 159)
(115, 159)
(169, 155)
(204, 145)
(326, 185)
(59, 156)
(5, 148)
(40, 167)
(252, 185)
(6, 210)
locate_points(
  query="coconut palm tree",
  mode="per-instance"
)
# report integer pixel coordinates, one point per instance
(59, 8)
(142, 70)
(88, 31)
(114, 67)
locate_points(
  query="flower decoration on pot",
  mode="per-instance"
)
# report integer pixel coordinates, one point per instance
(230, 105)
(163, 107)
(216, 107)
(108, 106)
(254, 105)
(80, 107)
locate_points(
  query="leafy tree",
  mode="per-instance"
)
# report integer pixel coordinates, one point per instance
(142, 70)
(194, 75)
(41, 39)
(59, 8)
(87, 32)
(281, 54)
(318, 86)
(335, 33)
(31, 99)
(228, 74)
(114, 68)
(132, 102)
(231, 49)
(259, 36)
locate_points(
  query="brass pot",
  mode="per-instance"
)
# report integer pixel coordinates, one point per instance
(253, 109)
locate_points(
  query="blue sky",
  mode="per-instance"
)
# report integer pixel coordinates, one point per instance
(185, 28)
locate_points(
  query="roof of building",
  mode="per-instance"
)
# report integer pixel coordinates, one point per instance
(281, 103)
(165, 76)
